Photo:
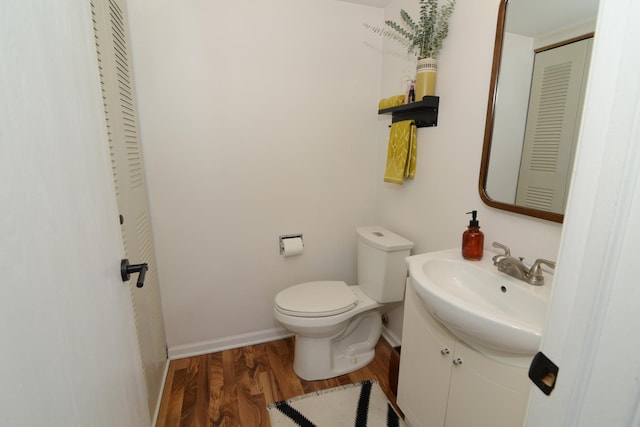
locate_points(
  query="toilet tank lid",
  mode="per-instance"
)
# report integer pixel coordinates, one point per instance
(383, 239)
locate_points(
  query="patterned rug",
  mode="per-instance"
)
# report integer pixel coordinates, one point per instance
(362, 404)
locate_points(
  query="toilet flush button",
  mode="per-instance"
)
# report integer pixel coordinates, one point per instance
(377, 233)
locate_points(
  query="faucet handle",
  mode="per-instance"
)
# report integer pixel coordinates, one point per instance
(535, 273)
(498, 258)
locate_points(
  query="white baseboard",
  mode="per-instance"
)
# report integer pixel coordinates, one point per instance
(390, 337)
(234, 341)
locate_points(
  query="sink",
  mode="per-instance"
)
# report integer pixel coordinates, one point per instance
(481, 306)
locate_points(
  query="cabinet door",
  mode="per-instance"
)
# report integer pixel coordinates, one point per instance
(423, 381)
(485, 392)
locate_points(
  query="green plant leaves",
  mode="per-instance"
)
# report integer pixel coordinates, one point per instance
(425, 37)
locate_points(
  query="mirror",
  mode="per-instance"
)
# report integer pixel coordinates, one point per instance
(517, 153)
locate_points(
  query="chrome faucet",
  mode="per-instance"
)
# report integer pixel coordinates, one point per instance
(516, 268)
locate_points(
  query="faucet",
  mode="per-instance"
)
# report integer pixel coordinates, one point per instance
(498, 258)
(516, 268)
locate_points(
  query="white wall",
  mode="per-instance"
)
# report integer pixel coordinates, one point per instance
(431, 210)
(510, 117)
(578, 30)
(258, 119)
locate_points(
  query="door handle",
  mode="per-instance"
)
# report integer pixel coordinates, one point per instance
(126, 269)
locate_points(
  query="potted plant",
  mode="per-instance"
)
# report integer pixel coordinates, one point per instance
(422, 38)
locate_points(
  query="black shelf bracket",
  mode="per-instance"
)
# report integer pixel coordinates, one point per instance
(425, 112)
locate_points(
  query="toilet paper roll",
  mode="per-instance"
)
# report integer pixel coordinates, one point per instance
(292, 246)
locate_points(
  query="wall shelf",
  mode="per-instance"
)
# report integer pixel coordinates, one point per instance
(425, 112)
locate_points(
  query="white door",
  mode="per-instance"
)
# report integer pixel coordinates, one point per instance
(593, 323)
(68, 349)
(555, 107)
(112, 45)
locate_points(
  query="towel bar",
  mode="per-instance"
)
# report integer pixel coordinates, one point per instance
(425, 112)
(419, 124)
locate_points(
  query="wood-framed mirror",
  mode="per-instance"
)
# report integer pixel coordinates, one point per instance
(527, 155)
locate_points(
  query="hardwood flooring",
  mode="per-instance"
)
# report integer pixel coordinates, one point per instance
(232, 388)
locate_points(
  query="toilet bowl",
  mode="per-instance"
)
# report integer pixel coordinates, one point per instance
(337, 326)
(338, 338)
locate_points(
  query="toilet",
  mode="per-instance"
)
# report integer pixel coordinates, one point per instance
(337, 326)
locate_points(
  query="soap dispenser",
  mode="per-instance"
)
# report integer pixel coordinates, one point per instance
(473, 240)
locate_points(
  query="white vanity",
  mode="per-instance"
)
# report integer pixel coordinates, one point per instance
(474, 370)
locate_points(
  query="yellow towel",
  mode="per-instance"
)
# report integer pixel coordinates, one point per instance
(392, 101)
(402, 152)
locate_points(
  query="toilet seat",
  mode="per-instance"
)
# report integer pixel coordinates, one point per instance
(316, 299)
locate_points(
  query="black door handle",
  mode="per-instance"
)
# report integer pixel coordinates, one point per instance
(126, 269)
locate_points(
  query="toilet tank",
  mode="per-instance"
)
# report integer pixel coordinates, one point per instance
(382, 271)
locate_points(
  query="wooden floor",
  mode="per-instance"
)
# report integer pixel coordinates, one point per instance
(232, 388)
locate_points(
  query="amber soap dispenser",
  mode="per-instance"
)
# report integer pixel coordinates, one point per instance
(473, 240)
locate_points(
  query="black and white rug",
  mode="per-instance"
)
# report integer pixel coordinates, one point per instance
(362, 404)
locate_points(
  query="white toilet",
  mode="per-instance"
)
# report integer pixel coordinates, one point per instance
(337, 326)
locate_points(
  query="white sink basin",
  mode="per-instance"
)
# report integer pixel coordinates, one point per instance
(480, 305)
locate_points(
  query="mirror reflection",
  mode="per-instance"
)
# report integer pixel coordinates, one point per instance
(540, 70)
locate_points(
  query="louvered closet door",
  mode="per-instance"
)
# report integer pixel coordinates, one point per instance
(112, 45)
(553, 120)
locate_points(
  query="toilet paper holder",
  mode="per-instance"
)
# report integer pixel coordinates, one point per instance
(284, 237)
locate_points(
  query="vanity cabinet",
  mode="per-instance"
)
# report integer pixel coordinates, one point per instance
(444, 382)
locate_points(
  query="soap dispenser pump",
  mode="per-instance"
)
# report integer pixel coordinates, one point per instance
(473, 240)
